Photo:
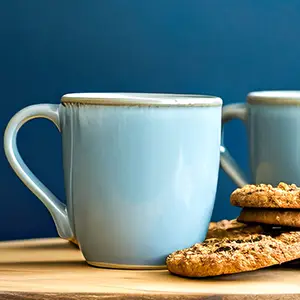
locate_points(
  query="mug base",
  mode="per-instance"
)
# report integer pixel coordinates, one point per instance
(125, 267)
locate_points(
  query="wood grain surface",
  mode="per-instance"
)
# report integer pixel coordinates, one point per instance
(55, 269)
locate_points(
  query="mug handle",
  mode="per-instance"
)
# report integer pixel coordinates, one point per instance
(228, 164)
(57, 209)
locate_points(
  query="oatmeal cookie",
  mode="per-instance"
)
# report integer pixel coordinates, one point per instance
(270, 216)
(218, 256)
(267, 196)
(231, 228)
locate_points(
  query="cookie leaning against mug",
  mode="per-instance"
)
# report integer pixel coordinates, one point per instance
(231, 228)
(218, 256)
(267, 196)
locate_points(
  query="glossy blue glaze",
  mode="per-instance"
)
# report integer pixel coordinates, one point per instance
(140, 180)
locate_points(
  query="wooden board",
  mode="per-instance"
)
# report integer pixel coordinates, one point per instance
(55, 269)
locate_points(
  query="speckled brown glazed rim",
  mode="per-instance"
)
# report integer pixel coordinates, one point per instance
(275, 97)
(141, 99)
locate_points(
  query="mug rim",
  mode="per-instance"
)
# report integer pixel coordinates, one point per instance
(141, 99)
(274, 97)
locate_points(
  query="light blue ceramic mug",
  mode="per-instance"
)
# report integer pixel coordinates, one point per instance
(140, 173)
(272, 119)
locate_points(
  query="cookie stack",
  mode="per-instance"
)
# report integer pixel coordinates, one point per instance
(252, 241)
(264, 204)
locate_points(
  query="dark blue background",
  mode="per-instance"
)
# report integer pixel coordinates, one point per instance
(48, 48)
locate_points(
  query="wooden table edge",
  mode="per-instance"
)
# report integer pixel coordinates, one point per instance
(9, 295)
(128, 292)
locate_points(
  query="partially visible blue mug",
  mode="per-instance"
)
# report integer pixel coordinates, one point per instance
(140, 173)
(272, 119)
